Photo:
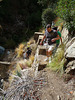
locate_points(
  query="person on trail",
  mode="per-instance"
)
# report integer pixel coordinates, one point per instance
(57, 41)
(27, 54)
(51, 36)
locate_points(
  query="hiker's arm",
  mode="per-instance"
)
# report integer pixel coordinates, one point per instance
(42, 40)
(57, 38)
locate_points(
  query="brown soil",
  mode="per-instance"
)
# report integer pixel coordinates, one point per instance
(54, 87)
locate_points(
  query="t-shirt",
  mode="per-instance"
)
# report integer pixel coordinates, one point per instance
(58, 41)
(50, 36)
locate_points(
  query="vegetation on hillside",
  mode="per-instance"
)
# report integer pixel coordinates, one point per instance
(57, 63)
(66, 10)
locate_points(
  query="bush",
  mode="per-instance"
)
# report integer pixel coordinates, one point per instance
(66, 11)
(48, 16)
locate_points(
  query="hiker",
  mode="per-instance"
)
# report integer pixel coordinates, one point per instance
(59, 33)
(51, 36)
(57, 41)
(27, 54)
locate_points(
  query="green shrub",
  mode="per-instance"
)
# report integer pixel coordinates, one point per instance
(66, 11)
(48, 16)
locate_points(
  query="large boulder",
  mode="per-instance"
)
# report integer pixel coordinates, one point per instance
(70, 49)
(70, 67)
(64, 34)
(70, 42)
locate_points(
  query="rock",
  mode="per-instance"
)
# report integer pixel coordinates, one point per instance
(36, 35)
(41, 66)
(70, 42)
(58, 97)
(39, 39)
(73, 98)
(64, 35)
(70, 52)
(42, 50)
(74, 93)
(2, 49)
(70, 67)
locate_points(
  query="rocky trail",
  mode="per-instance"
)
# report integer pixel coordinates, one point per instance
(39, 82)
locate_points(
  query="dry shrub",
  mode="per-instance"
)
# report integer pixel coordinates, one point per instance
(31, 41)
(21, 46)
(19, 50)
(15, 72)
(5, 85)
(23, 66)
(29, 63)
(57, 63)
(31, 58)
(20, 53)
(16, 50)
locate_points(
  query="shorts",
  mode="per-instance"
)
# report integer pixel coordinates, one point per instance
(50, 47)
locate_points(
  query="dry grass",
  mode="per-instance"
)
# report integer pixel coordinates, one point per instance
(19, 50)
(31, 58)
(22, 64)
(21, 46)
(16, 72)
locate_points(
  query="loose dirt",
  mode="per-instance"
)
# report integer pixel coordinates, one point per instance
(56, 87)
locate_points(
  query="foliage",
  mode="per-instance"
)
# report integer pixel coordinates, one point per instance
(58, 21)
(20, 18)
(47, 3)
(66, 10)
(57, 63)
(48, 16)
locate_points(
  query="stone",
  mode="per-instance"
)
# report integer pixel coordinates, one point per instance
(39, 39)
(64, 35)
(36, 35)
(74, 93)
(73, 98)
(42, 63)
(70, 42)
(58, 97)
(42, 50)
(41, 66)
(70, 67)
(70, 52)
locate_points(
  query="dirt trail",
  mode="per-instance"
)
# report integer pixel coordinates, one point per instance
(56, 88)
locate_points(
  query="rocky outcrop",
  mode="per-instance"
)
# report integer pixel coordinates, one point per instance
(70, 56)
(36, 35)
(65, 35)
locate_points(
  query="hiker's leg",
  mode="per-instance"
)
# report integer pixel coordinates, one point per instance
(55, 49)
(49, 52)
